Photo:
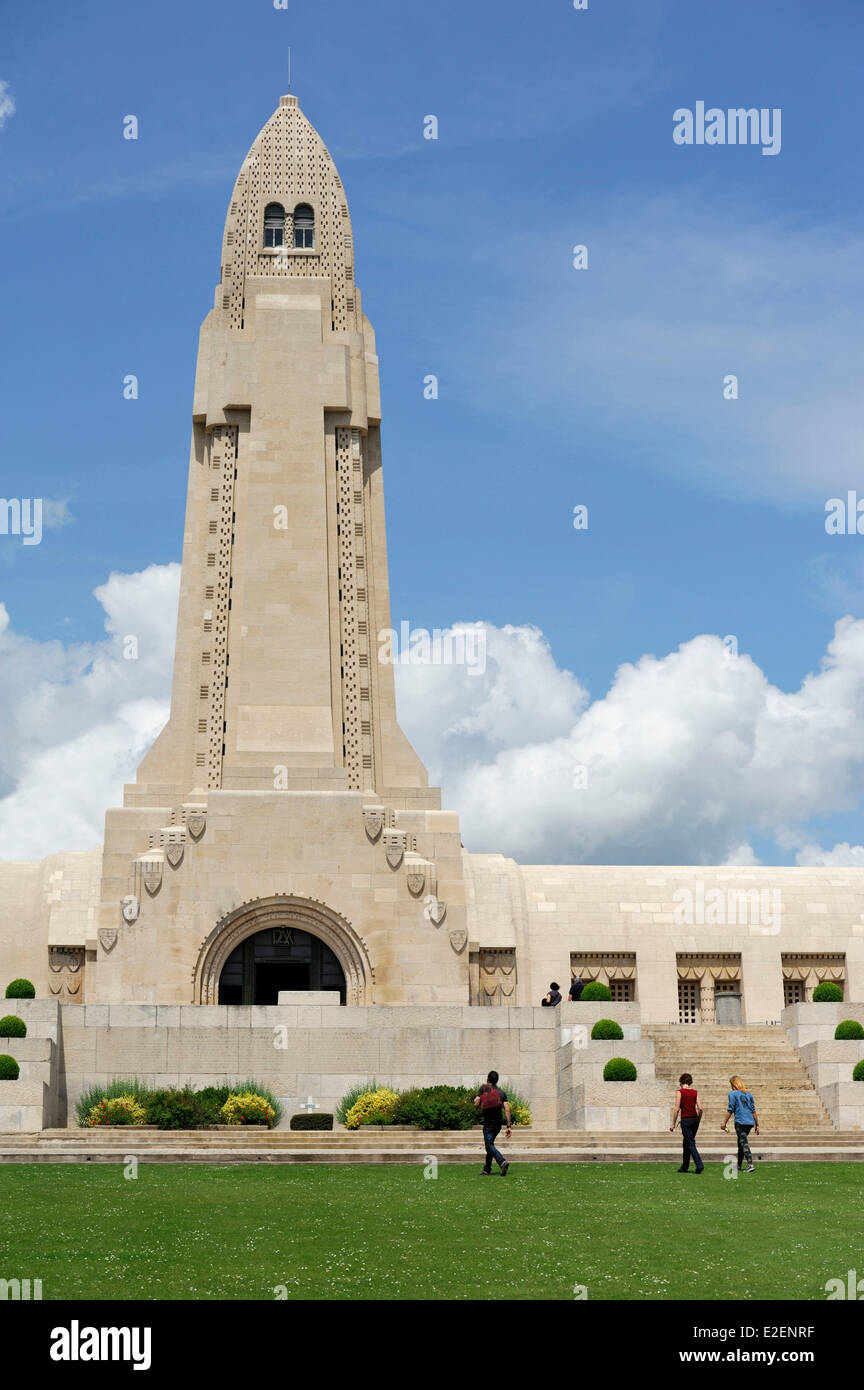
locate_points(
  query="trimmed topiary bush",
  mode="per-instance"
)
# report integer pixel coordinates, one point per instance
(606, 1028)
(850, 1028)
(12, 1027)
(312, 1121)
(596, 991)
(9, 1068)
(20, 989)
(619, 1069)
(858, 1071)
(827, 993)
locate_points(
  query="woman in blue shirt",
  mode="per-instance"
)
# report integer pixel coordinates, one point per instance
(743, 1107)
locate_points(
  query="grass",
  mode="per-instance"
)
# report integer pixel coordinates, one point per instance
(626, 1231)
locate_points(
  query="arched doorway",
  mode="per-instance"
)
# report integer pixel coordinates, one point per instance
(279, 958)
(291, 932)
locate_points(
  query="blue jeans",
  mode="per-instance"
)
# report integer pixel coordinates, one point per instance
(491, 1130)
(689, 1127)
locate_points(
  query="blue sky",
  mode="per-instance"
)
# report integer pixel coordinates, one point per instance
(557, 387)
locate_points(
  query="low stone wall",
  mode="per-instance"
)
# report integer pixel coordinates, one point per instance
(829, 1060)
(37, 1099)
(621, 1105)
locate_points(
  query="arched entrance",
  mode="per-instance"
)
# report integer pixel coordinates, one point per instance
(277, 958)
(293, 943)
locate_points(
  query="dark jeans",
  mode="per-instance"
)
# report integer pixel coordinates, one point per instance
(491, 1130)
(688, 1135)
(743, 1132)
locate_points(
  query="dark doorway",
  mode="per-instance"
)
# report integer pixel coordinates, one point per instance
(279, 958)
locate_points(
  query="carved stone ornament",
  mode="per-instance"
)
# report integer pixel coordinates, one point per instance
(458, 938)
(437, 910)
(153, 875)
(373, 821)
(131, 907)
(107, 938)
(394, 847)
(416, 879)
(195, 823)
(174, 853)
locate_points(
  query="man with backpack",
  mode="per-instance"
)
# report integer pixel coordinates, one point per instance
(492, 1100)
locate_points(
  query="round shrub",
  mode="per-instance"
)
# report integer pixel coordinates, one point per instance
(9, 1068)
(12, 1027)
(596, 991)
(858, 1071)
(372, 1103)
(118, 1110)
(849, 1028)
(247, 1109)
(312, 1121)
(619, 1069)
(827, 993)
(20, 989)
(606, 1028)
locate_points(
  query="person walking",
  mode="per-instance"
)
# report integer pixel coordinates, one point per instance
(492, 1101)
(743, 1107)
(688, 1107)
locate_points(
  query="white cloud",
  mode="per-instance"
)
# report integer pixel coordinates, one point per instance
(7, 103)
(687, 756)
(841, 856)
(78, 718)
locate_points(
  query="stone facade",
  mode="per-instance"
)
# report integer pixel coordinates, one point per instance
(283, 794)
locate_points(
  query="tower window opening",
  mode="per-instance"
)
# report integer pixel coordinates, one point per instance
(304, 226)
(274, 225)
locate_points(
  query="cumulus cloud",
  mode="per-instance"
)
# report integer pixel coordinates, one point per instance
(77, 718)
(685, 758)
(7, 104)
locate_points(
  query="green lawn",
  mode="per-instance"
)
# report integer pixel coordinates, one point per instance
(631, 1231)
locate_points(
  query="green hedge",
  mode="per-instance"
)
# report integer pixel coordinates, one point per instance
(606, 1028)
(827, 993)
(437, 1107)
(12, 1027)
(596, 991)
(858, 1071)
(619, 1069)
(9, 1068)
(315, 1120)
(850, 1028)
(20, 989)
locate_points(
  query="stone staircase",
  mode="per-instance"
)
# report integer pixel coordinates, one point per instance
(786, 1099)
(407, 1146)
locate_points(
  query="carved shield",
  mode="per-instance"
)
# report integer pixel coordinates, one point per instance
(436, 914)
(153, 876)
(131, 907)
(195, 823)
(416, 879)
(373, 820)
(394, 847)
(458, 938)
(174, 853)
(107, 938)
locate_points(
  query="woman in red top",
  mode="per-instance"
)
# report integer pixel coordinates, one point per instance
(687, 1105)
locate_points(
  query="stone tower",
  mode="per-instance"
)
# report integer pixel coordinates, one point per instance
(282, 782)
